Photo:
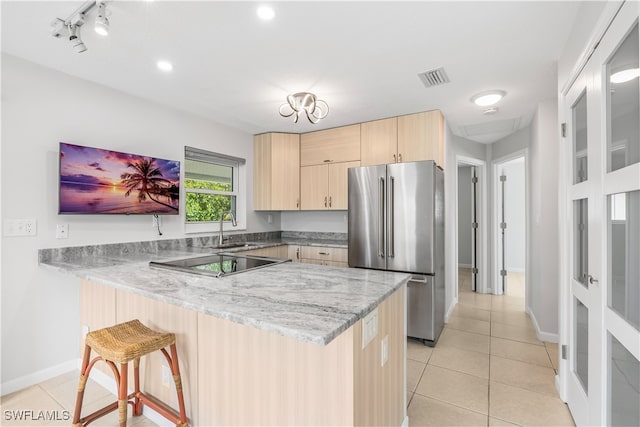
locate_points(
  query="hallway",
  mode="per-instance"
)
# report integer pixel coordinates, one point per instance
(488, 367)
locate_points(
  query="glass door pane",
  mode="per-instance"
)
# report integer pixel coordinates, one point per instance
(579, 113)
(623, 102)
(581, 334)
(624, 383)
(580, 241)
(624, 255)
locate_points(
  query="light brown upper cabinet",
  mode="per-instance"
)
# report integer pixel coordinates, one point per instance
(276, 172)
(421, 137)
(409, 138)
(379, 142)
(324, 187)
(330, 146)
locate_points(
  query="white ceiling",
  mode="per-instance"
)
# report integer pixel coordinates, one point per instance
(362, 58)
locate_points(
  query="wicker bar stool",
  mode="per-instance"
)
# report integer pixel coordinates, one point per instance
(121, 344)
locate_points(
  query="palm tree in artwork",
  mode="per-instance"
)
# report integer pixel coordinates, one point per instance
(146, 179)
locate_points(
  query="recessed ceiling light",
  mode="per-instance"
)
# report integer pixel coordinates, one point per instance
(625, 75)
(266, 13)
(165, 65)
(484, 99)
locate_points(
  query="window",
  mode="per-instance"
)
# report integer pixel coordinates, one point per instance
(211, 185)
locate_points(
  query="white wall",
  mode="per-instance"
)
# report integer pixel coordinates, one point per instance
(514, 204)
(543, 294)
(320, 221)
(464, 216)
(41, 107)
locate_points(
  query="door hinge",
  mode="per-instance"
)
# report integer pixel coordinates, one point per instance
(503, 225)
(563, 130)
(503, 272)
(474, 270)
(474, 225)
(474, 180)
(503, 178)
(564, 351)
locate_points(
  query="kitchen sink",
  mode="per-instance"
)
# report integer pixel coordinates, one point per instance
(234, 245)
(219, 264)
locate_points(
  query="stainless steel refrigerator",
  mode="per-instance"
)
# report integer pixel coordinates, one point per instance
(396, 222)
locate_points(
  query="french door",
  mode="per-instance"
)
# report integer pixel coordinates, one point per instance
(601, 310)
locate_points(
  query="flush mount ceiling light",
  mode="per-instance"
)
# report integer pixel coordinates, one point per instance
(490, 97)
(266, 13)
(624, 76)
(70, 27)
(304, 102)
(164, 65)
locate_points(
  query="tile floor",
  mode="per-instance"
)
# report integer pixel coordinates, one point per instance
(488, 368)
(55, 399)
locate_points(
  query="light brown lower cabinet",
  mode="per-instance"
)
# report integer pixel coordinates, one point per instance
(323, 255)
(235, 374)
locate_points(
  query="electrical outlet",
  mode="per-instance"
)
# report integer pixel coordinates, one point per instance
(384, 350)
(62, 231)
(19, 227)
(269, 218)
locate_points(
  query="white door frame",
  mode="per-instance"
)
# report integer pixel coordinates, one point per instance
(481, 286)
(495, 220)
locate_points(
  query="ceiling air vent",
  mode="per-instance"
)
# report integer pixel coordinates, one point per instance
(434, 77)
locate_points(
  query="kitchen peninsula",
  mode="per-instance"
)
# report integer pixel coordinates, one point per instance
(280, 345)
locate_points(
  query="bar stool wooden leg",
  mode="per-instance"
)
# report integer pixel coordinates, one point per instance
(175, 370)
(123, 395)
(81, 386)
(137, 405)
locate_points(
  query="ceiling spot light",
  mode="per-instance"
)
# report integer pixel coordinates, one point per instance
(74, 38)
(266, 13)
(101, 25)
(165, 66)
(304, 102)
(484, 99)
(625, 75)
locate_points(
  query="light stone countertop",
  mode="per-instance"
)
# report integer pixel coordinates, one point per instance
(308, 302)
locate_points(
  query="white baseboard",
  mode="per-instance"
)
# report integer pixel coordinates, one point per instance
(450, 309)
(464, 266)
(542, 336)
(37, 377)
(405, 422)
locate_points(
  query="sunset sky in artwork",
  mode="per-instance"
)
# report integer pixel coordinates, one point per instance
(94, 166)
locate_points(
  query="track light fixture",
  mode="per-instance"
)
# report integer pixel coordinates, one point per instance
(74, 38)
(102, 22)
(70, 27)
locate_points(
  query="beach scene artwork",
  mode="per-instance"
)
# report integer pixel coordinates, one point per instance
(93, 180)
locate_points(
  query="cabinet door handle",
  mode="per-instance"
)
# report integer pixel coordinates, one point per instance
(297, 203)
(399, 157)
(297, 253)
(329, 201)
(394, 158)
(323, 253)
(325, 201)
(327, 161)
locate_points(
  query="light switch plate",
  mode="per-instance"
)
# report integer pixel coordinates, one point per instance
(369, 327)
(19, 227)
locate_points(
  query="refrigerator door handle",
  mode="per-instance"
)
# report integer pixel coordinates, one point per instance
(381, 218)
(392, 206)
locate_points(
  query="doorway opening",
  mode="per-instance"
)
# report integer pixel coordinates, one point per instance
(471, 233)
(510, 227)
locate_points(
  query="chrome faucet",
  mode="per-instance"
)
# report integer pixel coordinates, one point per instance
(233, 222)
